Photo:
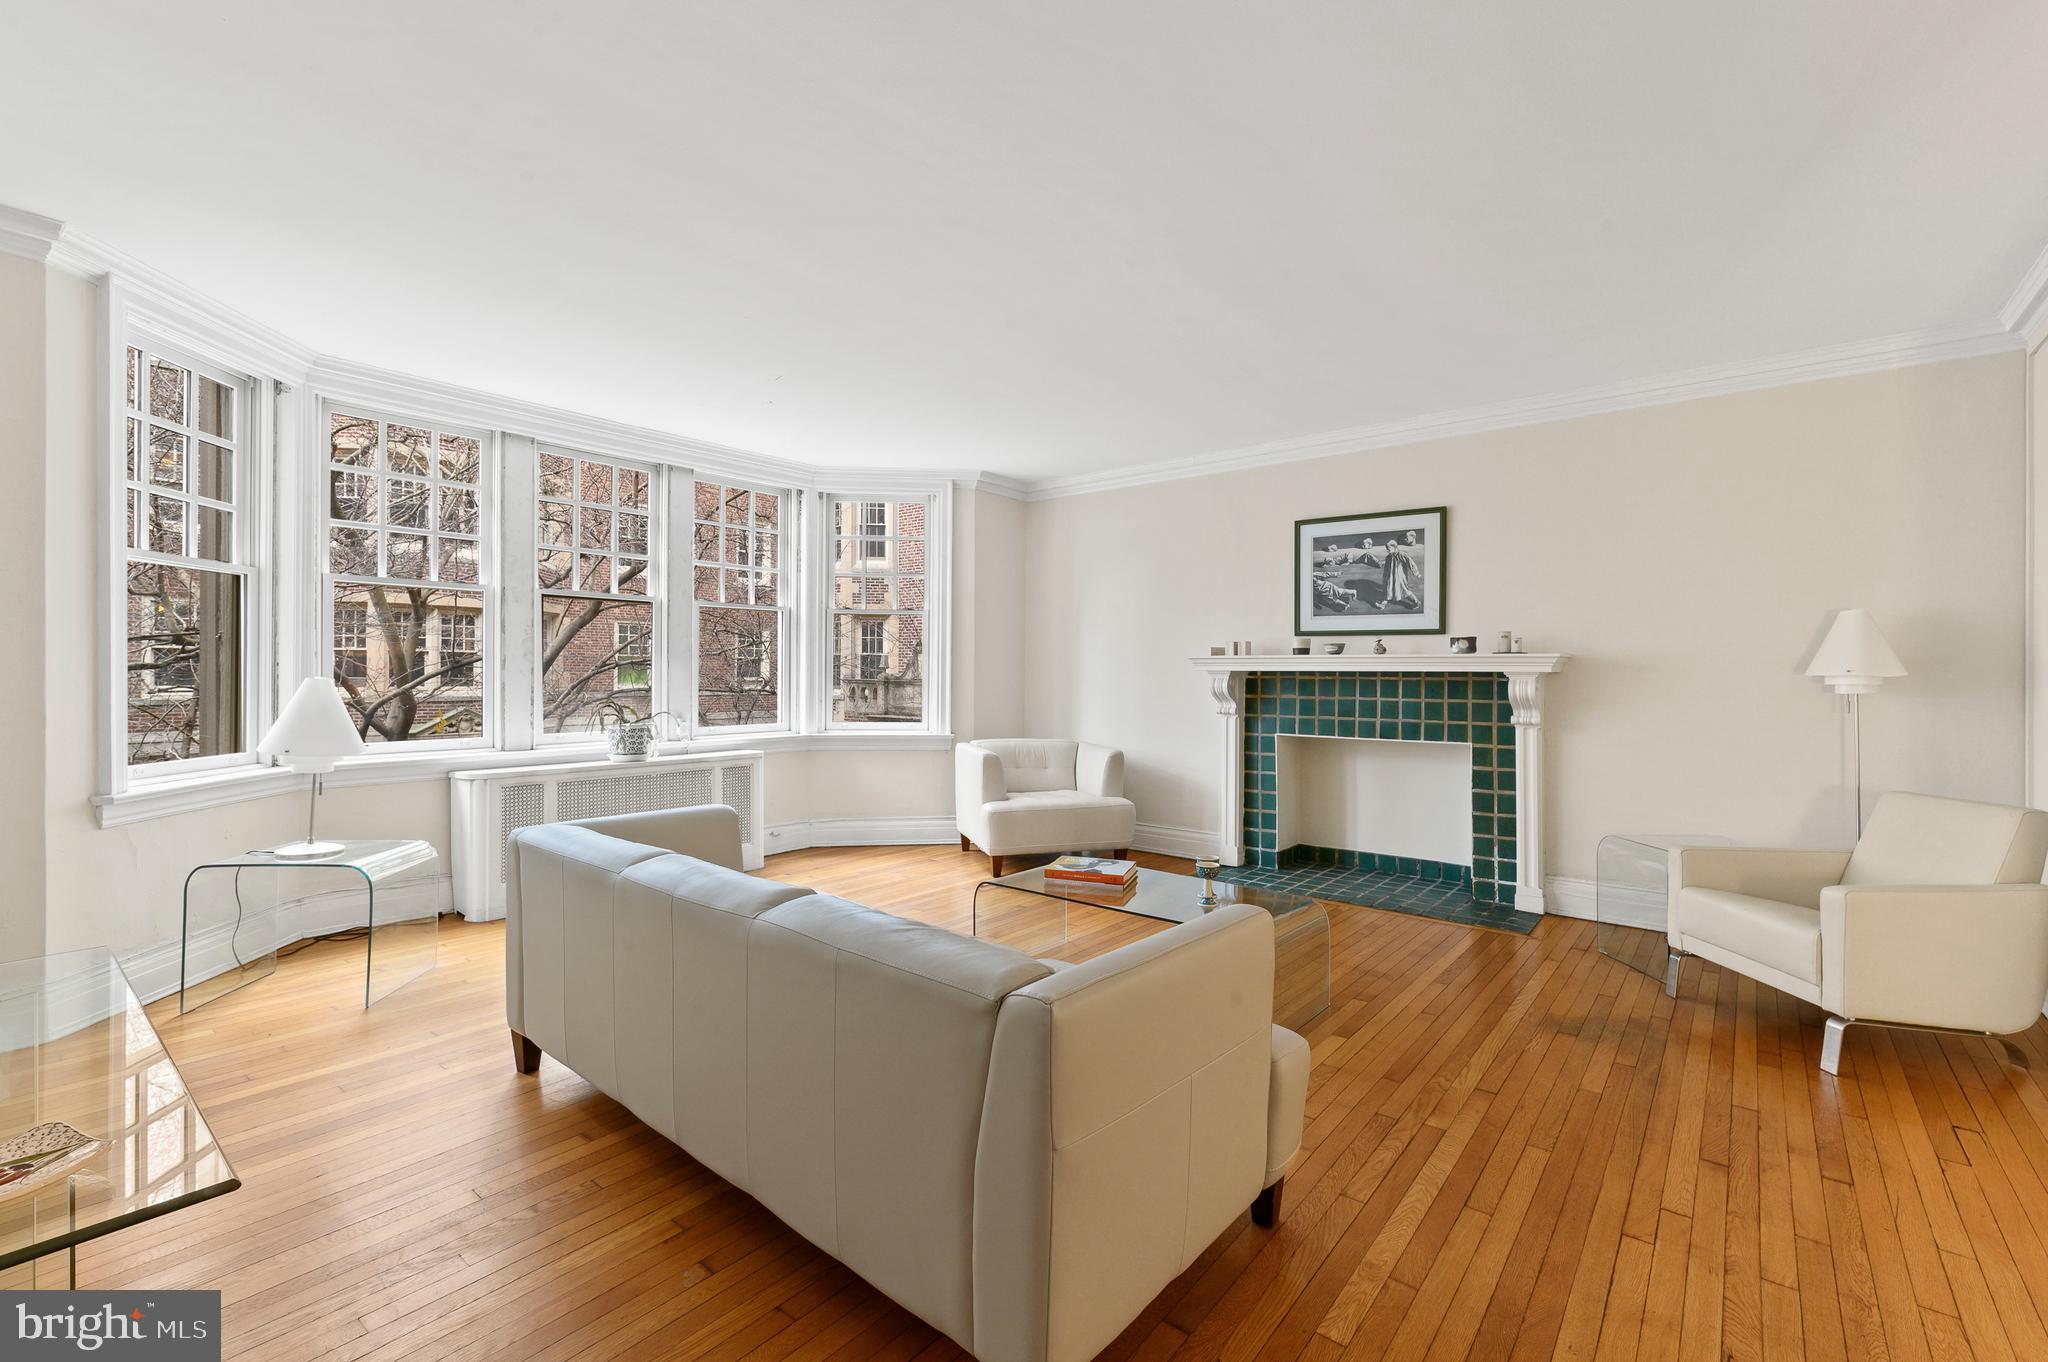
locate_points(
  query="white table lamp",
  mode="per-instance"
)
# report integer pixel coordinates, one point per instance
(1852, 661)
(312, 734)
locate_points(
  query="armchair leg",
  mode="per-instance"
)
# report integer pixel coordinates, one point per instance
(995, 867)
(1266, 1208)
(2014, 1055)
(965, 845)
(1672, 960)
(525, 1054)
(1122, 854)
(1831, 1045)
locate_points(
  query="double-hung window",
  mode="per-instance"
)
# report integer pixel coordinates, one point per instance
(189, 559)
(880, 622)
(741, 587)
(405, 529)
(595, 572)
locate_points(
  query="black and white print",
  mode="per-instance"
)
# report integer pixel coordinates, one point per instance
(1371, 574)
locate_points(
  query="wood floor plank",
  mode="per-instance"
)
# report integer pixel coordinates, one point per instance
(1515, 1147)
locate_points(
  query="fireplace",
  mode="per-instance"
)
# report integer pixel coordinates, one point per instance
(1488, 707)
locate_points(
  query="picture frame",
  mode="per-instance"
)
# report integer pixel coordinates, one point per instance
(1382, 572)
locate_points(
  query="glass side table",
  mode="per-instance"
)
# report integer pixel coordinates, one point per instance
(97, 1130)
(1632, 900)
(231, 923)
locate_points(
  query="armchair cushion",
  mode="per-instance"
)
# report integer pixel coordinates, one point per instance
(1058, 820)
(1789, 876)
(1034, 763)
(1921, 839)
(1974, 957)
(1784, 936)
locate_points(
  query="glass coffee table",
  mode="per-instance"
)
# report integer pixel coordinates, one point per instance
(1035, 915)
(97, 1130)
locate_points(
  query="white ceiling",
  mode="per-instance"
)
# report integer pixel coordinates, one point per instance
(1049, 237)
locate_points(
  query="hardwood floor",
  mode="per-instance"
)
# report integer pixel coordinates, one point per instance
(1516, 1149)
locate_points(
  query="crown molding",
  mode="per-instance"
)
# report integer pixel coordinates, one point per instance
(27, 234)
(1834, 361)
(181, 311)
(2026, 311)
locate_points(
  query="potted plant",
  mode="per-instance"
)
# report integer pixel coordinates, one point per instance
(627, 736)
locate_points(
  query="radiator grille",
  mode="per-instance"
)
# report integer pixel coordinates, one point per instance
(600, 795)
(520, 806)
(736, 787)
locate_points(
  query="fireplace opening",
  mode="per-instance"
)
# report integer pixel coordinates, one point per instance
(1411, 801)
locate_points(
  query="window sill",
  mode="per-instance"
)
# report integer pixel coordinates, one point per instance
(166, 797)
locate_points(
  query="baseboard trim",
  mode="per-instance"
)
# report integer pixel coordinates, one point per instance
(1166, 840)
(861, 832)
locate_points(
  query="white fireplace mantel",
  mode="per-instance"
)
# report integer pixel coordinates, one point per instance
(1524, 673)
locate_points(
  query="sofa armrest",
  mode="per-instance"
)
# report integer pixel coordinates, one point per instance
(1099, 771)
(709, 832)
(977, 780)
(1973, 957)
(1783, 874)
(1286, 1100)
(1123, 1130)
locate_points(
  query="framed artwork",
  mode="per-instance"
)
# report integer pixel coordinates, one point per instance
(1382, 573)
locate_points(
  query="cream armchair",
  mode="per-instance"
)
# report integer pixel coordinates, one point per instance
(1937, 920)
(1030, 796)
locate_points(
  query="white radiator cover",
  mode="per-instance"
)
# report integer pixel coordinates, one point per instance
(488, 806)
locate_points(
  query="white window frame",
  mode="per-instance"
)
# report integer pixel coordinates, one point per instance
(320, 465)
(938, 571)
(788, 531)
(123, 323)
(657, 576)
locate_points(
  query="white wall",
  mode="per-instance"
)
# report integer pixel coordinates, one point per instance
(23, 401)
(1685, 555)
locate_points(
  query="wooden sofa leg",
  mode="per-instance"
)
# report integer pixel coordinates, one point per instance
(965, 845)
(1121, 854)
(995, 867)
(1266, 1209)
(525, 1054)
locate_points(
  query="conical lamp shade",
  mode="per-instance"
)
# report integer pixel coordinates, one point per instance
(314, 731)
(1854, 658)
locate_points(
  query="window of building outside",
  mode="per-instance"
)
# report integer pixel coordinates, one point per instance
(405, 515)
(879, 621)
(186, 504)
(596, 521)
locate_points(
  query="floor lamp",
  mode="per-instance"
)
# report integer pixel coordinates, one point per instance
(1852, 661)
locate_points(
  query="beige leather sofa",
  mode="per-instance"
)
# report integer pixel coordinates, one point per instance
(1021, 1154)
(1033, 796)
(1937, 919)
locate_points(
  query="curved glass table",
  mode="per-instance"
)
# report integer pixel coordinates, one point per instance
(1632, 898)
(1035, 915)
(231, 927)
(97, 1130)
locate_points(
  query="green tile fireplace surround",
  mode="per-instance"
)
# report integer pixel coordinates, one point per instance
(1490, 702)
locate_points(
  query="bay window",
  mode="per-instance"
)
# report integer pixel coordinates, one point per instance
(405, 577)
(596, 528)
(740, 587)
(879, 620)
(188, 555)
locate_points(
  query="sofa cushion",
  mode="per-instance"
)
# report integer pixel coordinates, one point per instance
(1060, 820)
(1922, 839)
(679, 971)
(855, 1018)
(1784, 936)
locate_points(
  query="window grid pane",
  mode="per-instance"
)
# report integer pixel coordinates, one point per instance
(594, 524)
(738, 575)
(184, 620)
(406, 511)
(878, 557)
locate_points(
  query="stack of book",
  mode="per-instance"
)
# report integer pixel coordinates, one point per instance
(1096, 877)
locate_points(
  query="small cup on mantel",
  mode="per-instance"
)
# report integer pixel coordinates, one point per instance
(1333, 648)
(1218, 650)
(1301, 647)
